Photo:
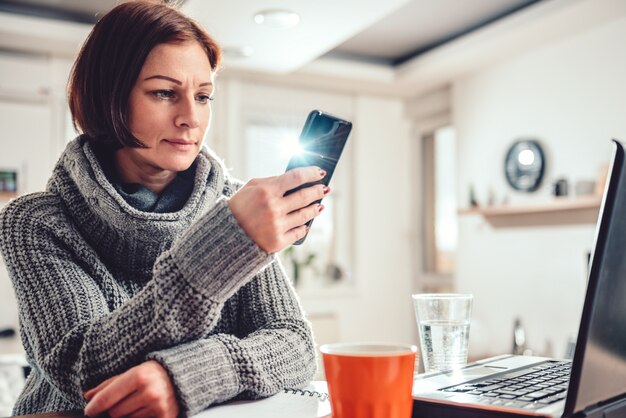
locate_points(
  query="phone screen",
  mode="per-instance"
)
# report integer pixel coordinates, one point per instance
(322, 140)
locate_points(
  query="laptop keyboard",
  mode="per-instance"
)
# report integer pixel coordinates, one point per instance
(529, 388)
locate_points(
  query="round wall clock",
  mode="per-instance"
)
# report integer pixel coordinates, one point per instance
(524, 165)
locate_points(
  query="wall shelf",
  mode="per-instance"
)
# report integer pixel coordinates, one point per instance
(558, 211)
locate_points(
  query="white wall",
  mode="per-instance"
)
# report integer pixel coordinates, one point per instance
(571, 95)
(383, 224)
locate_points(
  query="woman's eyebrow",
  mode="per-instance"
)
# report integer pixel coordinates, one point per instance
(173, 80)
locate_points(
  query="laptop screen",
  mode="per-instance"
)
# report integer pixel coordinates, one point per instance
(603, 369)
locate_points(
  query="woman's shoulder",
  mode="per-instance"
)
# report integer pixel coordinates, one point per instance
(29, 210)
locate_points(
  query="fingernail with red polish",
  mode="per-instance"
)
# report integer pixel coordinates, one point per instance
(320, 208)
(322, 173)
(326, 190)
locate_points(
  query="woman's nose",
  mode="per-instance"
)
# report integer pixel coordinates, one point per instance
(187, 114)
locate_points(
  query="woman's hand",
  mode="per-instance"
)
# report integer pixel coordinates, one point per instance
(271, 219)
(143, 391)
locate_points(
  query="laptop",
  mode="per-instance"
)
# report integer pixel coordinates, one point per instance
(592, 384)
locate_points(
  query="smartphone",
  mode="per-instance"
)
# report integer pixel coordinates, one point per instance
(322, 140)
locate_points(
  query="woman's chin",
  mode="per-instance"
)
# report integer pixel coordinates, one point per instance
(178, 167)
(178, 164)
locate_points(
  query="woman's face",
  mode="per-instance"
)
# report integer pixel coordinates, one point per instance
(170, 109)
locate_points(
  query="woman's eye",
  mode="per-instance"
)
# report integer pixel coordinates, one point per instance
(164, 94)
(203, 98)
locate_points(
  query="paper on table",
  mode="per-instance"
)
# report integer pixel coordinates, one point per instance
(304, 403)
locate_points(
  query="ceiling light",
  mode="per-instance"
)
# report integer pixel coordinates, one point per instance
(277, 18)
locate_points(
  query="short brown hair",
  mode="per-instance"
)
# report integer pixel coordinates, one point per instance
(110, 61)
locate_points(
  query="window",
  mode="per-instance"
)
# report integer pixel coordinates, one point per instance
(440, 201)
(324, 258)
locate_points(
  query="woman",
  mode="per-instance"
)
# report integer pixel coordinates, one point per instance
(144, 273)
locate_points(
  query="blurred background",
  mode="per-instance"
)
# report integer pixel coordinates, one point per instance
(438, 91)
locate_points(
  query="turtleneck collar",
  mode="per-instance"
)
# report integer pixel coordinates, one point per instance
(127, 239)
(171, 199)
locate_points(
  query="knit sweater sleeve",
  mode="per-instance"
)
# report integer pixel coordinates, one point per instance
(76, 339)
(274, 350)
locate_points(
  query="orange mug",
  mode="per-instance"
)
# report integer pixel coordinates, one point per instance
(369, 380)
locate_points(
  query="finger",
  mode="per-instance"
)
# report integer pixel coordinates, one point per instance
(117, 390)
(302, 216)
(127, 406)
(142, 413)
(304, 197)
(299, 176)
(89, 394)
(148, 412)
(296, 233)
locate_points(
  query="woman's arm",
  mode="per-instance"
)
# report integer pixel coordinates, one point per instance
(275, 349)
(76, 339)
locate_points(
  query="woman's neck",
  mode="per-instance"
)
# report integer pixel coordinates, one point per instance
(133, 170)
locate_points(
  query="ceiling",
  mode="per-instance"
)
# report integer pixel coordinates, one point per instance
(388, 32)
(421, 25)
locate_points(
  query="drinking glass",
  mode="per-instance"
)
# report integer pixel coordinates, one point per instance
(444, 322)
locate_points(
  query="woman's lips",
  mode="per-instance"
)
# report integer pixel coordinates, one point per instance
(180, 144)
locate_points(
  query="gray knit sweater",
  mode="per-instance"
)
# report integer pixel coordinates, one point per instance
(102, 287)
